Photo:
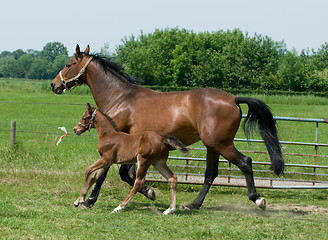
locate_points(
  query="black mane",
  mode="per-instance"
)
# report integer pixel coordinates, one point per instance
(108, 64)
(110, 120)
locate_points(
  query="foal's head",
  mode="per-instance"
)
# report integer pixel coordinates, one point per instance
(87, 121)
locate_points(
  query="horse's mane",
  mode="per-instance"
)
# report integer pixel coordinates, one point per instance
(110, 120)
(108, 64)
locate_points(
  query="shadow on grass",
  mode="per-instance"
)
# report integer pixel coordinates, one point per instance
(271, 212)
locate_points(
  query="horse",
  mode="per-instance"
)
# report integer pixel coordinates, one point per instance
(147, 148)
(207, 114)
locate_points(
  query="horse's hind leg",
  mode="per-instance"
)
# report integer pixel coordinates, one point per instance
(138, 183)
(244, 163)
(124, 174)
(212, 163)
(163, 169)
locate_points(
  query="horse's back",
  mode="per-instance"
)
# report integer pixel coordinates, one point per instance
(186, 115)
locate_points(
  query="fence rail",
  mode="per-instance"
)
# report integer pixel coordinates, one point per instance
(303, 170)
(298, 175)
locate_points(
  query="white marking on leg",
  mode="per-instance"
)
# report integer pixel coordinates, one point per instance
(117, 209)
(261, 203)
(78, 201)
(168, 211)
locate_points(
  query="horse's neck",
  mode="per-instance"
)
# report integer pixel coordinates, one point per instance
(109, 90)
(103, 126)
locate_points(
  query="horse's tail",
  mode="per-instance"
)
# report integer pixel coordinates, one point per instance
(260, 114)
(176, 144)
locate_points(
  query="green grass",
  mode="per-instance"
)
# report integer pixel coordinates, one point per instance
(39, 182)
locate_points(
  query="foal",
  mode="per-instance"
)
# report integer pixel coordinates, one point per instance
(147, 148)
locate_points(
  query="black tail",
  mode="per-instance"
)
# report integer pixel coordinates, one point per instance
(260, 114)
(176, 144)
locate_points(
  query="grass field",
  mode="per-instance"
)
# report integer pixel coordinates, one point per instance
(39, 181)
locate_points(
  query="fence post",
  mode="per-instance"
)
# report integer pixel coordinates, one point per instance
(13, 133)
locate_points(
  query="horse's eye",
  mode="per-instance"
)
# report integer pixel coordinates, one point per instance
(70, 64)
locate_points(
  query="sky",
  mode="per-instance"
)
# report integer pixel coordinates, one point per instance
(301, 24)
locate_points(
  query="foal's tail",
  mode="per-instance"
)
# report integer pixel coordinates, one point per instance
(260, 114)
(176, 144)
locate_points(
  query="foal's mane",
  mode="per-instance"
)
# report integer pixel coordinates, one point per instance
(111, 121)
(108, 64)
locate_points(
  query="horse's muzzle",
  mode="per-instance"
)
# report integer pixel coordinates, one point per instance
(57, 90)
(75, 131)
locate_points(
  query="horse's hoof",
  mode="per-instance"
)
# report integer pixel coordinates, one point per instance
(151, 194)
(190, 206)
(87, 204)
(261, 203)
(117, 209)
(168, 211)
(76, 203)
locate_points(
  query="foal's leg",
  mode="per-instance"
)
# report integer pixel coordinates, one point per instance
(100, 164)
(138, 183)
(96, 189)
(244, 163)
(124, 174)
(212, 163)
(163, 169)
(95, 175)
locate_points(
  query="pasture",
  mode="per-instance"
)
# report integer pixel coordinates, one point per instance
(39, 181)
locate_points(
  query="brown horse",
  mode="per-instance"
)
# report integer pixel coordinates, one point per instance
(146, 148)
(207, 114)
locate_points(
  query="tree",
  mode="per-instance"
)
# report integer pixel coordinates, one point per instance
(106, 51)
(12, 68)
(291, 73)
(39, 68)
(25, 62)
(18, 53)
(219, 59)
(32, 52)
(57, 65)
(6, 54)
(148, 57)
(53, 49)
(320, 57)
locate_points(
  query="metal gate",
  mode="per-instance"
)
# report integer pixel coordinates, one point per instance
(305, 166)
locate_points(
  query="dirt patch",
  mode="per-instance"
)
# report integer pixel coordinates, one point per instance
(305, 209)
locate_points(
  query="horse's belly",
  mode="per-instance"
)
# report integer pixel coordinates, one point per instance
(126, 160)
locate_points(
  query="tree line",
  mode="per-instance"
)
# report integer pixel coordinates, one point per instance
(44, 64)
(178, 57)
(222, 59)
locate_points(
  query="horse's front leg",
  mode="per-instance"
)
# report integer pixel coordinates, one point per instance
(96, 189)
(84, 189)
(212, 162)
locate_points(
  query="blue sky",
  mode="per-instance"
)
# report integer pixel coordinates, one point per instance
(32, 24)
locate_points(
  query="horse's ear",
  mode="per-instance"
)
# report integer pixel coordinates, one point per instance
(78, 53)
(87, 50)
(89, 108)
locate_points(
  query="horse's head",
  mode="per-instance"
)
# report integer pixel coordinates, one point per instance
(86, 122)
(73, 73)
